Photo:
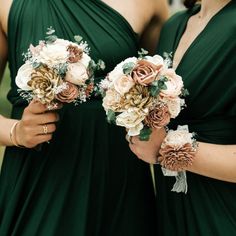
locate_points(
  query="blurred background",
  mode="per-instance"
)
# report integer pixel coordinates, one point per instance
(5, 107)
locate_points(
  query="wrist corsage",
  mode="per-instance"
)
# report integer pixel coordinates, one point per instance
(177, 153)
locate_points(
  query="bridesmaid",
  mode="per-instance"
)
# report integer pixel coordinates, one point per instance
(203, 40)
(86, 182)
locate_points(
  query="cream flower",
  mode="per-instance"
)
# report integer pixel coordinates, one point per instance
(85, 60)
(174, 84)
(24, 76)
(76, 73)
(53, 54)
(112, 100)
(123, 84)
(118, 70)
(131, 119)
(174, 105)
(156, 60)
(178, 137)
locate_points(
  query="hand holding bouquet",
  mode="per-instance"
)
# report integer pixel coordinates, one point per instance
(142, 94)
(57, 71)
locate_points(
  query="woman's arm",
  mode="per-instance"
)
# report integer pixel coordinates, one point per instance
(211, 160)
(29, 132)
(215, 161)
(160, 13)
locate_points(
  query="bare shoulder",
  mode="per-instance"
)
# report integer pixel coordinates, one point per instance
(4, 13)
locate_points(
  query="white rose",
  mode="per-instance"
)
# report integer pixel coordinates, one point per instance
(53, 54)
(135, 130)
(76, 73)
(174, 84)
(131, 120)
(178, 137)
(156, 60)
(24, 76)
(111, 100)
(63, 43)
(118, 70)
(123, 84)
(85, 59)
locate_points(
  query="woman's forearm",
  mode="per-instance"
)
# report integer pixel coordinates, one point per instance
(215, 161)
(5, 128)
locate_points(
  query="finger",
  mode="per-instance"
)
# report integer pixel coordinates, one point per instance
(45, 118)
(43, 138)
(46, 129)
(36, 107)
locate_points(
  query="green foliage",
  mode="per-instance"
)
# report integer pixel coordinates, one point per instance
(78, 38)
(111, 117)
(142, 53)
(157, 86)
(128, 67)
(145, 133)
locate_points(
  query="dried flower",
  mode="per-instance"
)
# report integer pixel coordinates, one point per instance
(75, 53)
(158, 117)
(138, 97)
(145, 72)
(43, 83)
(69, 94)
(177, 157)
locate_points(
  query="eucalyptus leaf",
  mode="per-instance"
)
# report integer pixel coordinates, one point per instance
(128, 67)
(78, 38)
(51, 39)
(111, 117)
(145, 133)
(142, 53)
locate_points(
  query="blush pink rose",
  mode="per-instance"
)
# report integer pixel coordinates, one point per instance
(77, 74)
(174, 84)
(123, 84)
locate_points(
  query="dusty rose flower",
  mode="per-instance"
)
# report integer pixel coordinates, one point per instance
(174, 84)
(89, 89)
(69, 94)
(158, 117)
(145, 72)
(77, 74)
(177, 157)
(75, 53)
(123, 84)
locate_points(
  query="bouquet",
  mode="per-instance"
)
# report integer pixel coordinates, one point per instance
(142, 93)
(57, 71)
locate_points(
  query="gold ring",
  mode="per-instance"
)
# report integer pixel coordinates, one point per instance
(129, 139)
(45, 129)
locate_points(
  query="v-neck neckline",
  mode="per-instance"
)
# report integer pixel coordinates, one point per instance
(183, 26)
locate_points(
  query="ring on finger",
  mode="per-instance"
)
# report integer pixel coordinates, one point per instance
(45, 129)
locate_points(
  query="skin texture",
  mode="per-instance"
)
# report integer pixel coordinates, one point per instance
(29, 131)
(210, 158)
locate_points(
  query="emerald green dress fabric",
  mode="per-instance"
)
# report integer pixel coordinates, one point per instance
(86, 182)
(208, 71)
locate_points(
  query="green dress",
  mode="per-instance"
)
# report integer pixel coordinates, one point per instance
(208, 69)
(86, 182)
